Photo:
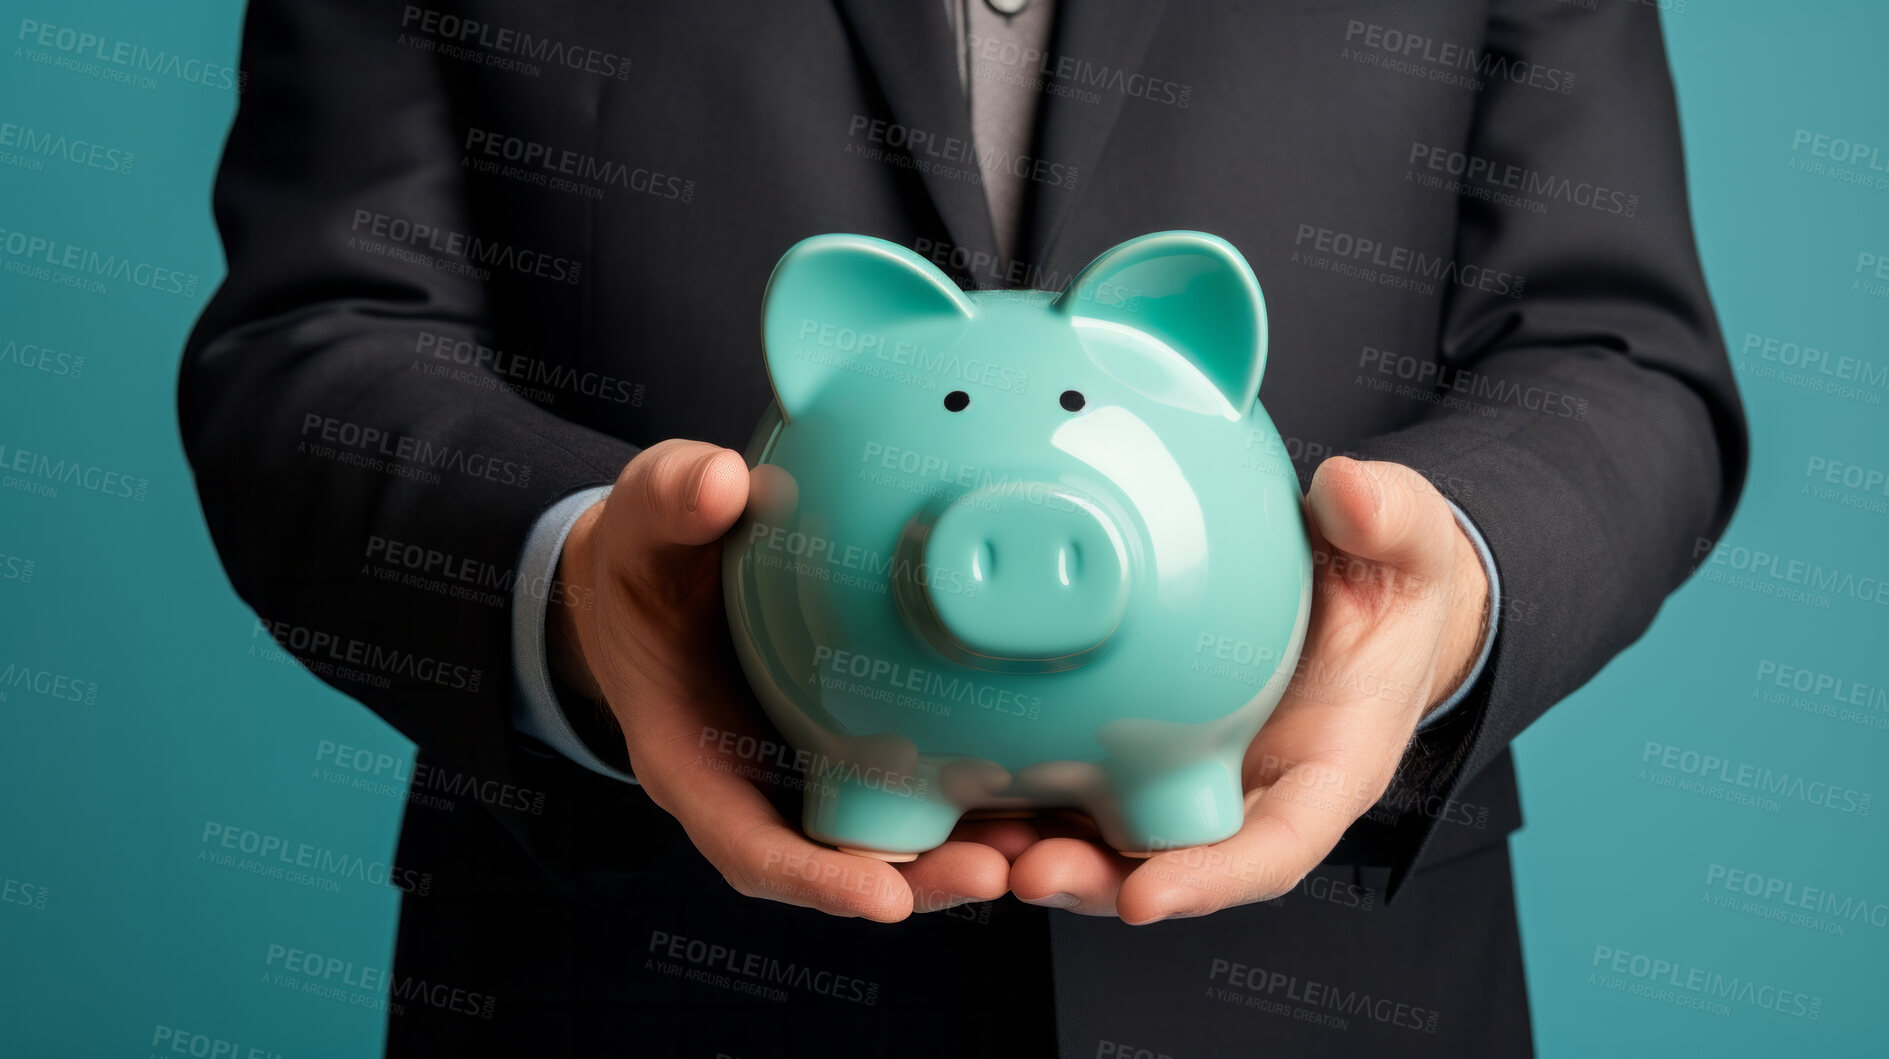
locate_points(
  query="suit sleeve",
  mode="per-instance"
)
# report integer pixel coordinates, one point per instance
(1622, 440)
(372, 513)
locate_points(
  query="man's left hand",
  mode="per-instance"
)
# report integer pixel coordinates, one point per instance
(1396, 625)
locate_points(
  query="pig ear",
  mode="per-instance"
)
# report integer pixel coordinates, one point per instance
(1193, 294)
(832, 284)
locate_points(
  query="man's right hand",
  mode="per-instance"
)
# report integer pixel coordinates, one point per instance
(655, 645)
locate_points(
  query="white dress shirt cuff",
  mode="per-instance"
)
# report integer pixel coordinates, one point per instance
(536, 710)
(1488, 633)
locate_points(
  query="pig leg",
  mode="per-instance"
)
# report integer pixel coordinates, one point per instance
(1186, 805)
(864, 813)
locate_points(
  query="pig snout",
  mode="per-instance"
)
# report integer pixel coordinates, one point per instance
(1026, 577)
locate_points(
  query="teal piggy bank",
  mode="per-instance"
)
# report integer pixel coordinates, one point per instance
(1009, 550)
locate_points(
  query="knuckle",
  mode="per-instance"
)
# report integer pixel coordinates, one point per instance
(1283, 882)
(741, 884)
(654, 474)
(658, 478)
(656, 792)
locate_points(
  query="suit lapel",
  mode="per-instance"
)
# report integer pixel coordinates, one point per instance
(912, 55)
(1102, 37)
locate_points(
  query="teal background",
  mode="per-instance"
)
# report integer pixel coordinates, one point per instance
(106, 803)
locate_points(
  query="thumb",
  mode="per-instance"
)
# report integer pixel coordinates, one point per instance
(1383, 512)
(678, 493)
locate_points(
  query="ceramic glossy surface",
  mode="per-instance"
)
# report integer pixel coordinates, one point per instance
(1018, 549)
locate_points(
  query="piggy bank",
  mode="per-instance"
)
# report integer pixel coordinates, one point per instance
(1012, 550)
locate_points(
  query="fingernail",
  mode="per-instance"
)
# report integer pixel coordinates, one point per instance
(1144, 922)
(699, 478)
(1055, 900)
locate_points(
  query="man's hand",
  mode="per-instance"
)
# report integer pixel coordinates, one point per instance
(655, 646)
(1396, 624)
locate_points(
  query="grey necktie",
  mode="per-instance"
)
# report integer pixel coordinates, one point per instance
(998, 61)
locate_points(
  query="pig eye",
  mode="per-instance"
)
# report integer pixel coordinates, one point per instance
(1072, 401)
(957, 401)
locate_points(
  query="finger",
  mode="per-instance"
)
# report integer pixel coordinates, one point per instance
(963, 870)
(1073, 873)
(1384, 512)
(1290, 827)
(1007, 836)
(678, 493)
(681, 761)
(762, 856)
(956, 873)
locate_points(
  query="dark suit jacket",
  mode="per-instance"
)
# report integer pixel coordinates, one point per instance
(479, 253)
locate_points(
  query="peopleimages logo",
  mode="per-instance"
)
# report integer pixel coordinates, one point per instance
(35, 255)
(1785, 892)
(322, 975)
(1791, 574)
(380, 768)
(318, 650)
(1010, 271)
(43, 144)
(1322, 997)
(381, 445)
(1748, 777)
(826, 559)
(1522, 180)
(544, 164)
(1066, 75)
(1704, 985)
(277, 857)
(926, 149)
(501, 40)
(922, 360)
(41, 475)
(129, 57)
(933, 688)
(33, 357)
(530, 371)
(1401, 263)
(879, 463)
(754, 972)
(18, 677)
(25, 894)
(17, 568)
(1838, 149)
(1840, 690)
(1443, 55)
(1475, 384)
(1810, 368)
(173, 1041)
(473, 255)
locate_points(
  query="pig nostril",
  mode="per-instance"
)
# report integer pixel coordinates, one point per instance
(1069, 563)
(984, 562)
